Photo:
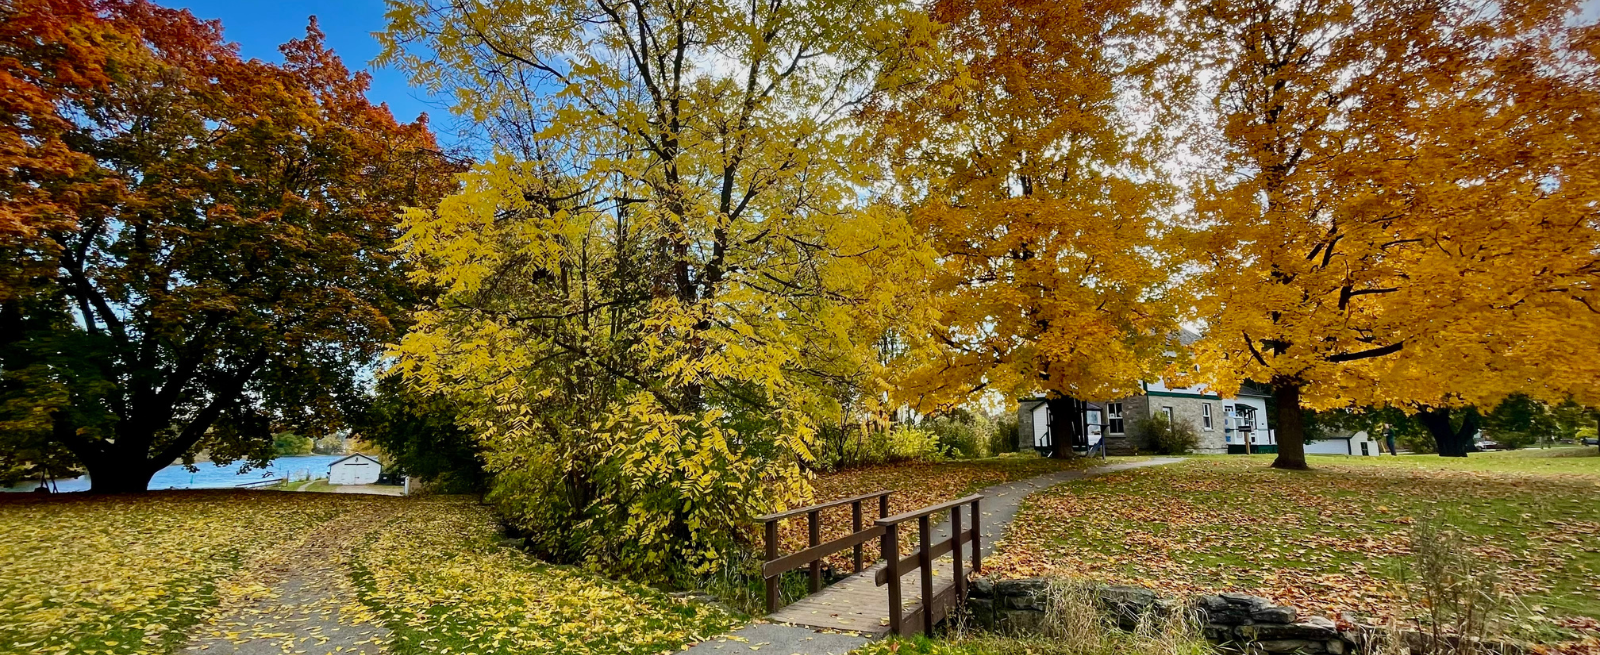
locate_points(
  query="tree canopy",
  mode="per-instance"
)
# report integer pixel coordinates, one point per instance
(196, 245)
(654, 288)
(1404, 207)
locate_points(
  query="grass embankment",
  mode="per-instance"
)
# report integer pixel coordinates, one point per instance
(1330, 540)
(83, 574)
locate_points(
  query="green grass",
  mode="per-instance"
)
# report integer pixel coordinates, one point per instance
(1330, 540)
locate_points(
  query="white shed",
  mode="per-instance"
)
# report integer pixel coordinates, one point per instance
(355, 469)
(1358, 444)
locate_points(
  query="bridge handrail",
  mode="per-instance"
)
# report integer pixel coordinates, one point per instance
(925, 511)
(933, 605)
(776, 565)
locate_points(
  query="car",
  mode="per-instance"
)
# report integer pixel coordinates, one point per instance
(1490, 444)
(1591, 442)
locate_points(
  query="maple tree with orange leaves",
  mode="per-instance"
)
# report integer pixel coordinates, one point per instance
(196, 246)
(1402, 209)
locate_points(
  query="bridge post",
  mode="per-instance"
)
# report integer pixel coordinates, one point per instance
(977, 539)
(891, 558)
(813, 538)
(855, 526)
(925, 563)
(772, 554)
(955, 554)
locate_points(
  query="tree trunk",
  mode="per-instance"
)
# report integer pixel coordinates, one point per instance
(1450, 442)
(1065, 417)
(109, 476)
(1291, 431)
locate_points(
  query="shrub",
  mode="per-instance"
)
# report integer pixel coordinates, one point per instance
(962, 434)
(904, 443)
(1462, 591)
(1168, 437)
(1004, 439)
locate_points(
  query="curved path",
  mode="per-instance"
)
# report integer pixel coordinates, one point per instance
(820, 624)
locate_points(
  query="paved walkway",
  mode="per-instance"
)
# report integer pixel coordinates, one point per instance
(813, 625)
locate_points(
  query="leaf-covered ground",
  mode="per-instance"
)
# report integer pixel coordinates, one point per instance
(914, 485)
(444, 585)
(1325, 541)
(130, 574)
(143, 574)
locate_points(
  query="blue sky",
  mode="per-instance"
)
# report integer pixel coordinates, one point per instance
(259, 27)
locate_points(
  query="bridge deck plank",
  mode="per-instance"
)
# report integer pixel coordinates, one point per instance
(855, 604)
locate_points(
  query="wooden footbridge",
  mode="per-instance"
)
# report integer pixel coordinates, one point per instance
(899, 594)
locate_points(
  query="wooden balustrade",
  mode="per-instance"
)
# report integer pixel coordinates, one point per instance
(936, 604)
(777, 564)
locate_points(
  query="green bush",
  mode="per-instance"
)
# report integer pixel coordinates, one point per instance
(963, 434)
(905, 443)
(864, 446)
(1168, 437)
(1004, 439)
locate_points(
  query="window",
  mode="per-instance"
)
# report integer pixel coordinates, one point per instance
(1114, 418)
(1205, 415)
(1363, 449)
(1168, 412)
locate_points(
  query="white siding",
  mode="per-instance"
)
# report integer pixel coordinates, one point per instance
(1342, 446)
(354, 470)
(1041, 425)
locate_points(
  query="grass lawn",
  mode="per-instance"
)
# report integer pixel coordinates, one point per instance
(81, 574)
(1329, 540)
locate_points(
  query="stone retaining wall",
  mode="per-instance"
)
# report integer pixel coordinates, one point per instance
(1234, 621)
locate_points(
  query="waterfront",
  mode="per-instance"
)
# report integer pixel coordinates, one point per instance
(211, 476)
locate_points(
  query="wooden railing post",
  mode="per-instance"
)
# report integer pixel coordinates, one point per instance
(977, 538)
(925, 563)
(883, 506)
(891, 559)
(955, 554)
(814, 537)
(772, 554)
(855, 526)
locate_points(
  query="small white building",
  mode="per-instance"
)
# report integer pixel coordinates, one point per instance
(355, 469)
(1358, 444)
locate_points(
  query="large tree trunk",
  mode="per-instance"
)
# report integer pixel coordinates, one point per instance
(1451, 442)
(1291, 430)
(1066, 418)
(108, 476)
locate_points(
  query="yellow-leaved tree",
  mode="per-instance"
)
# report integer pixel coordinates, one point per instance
(1399, 205)
(650, 291)
(1027, 153)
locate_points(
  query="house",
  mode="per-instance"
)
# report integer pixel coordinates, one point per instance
(1224, 425)
(355, 469)
(1351, 444)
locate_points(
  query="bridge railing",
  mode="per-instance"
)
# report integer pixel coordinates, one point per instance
(815, 552)
(935, 604)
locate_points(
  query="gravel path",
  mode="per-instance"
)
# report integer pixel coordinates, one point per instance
(1000, 505)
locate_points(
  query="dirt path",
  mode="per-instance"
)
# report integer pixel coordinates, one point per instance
(297, 600)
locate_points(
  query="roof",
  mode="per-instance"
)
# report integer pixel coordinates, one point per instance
(346, 458)
(1248, 388)
(1187, 337)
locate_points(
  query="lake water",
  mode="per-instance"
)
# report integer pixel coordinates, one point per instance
(211, 476)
